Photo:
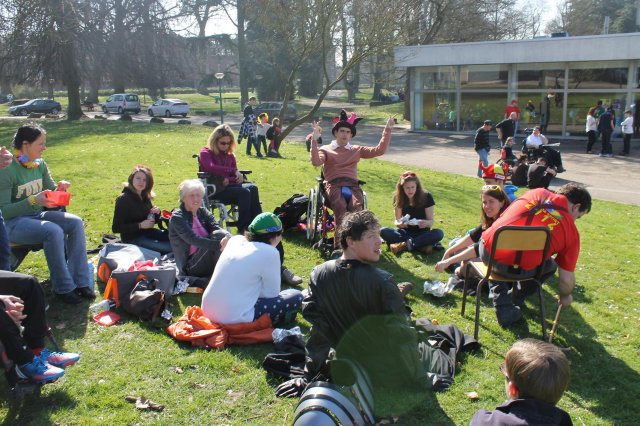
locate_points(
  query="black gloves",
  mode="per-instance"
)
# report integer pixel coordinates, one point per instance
(291, 388)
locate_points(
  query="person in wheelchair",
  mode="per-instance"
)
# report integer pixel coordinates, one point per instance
(22, 304)
(194, 234)
(340, 162)
(218, 159)
(538, 142)
(31, 217)
(415, 233)
(134, 215)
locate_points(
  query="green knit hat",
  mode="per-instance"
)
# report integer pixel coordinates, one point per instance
(265, 223)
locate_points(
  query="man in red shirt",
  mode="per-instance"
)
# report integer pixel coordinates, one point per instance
(513, 107)
(539, 207)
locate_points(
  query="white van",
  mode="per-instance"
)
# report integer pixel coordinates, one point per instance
(122, 102)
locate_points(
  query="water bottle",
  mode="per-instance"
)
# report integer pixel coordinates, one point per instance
(92, 277)
(103, 305)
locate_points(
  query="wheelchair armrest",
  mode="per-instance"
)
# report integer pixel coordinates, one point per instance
(204, 175)
(361, 182)
(245, 172)
(319, 179)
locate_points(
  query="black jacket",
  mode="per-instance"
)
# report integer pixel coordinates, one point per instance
(129, 211)
(358, 310)
(522, 412)
(481, 141)
(181, 234)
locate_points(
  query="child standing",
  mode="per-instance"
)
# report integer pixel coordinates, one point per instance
(536, 375)
(273, 134)
(263, 127)
(415, 233)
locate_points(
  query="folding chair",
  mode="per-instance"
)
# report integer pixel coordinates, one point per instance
(511, 238)
(20, 251)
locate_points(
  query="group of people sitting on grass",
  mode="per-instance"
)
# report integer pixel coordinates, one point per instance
(244, 272)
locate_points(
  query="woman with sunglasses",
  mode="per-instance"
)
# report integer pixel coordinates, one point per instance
(135, 216)
(494, 202)
(33, 218)
(414, 208)
(219, 160)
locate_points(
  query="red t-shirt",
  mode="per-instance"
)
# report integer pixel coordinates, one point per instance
(565, 239)
(511, 108)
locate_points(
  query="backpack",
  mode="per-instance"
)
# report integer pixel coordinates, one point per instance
(291, 211)
(146, 301)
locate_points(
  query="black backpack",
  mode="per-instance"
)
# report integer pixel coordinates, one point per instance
(292, 210)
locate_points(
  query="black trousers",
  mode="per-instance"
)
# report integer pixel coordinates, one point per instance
(29, 290)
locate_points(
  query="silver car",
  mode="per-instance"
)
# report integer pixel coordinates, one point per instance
(168, 107)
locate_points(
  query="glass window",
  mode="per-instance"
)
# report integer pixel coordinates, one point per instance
(484, 76)
(477, 107)
(533, 77)
(439, 111)
(578, 105)
(597, 75)
(436, 78)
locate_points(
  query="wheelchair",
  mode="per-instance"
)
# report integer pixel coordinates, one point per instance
(534, 153)
(227, 217)
(320, 222)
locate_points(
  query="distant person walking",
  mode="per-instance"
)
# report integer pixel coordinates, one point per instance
(605, 127)
(481, 144)
(627, 131)
(248, 127)
(591, 129)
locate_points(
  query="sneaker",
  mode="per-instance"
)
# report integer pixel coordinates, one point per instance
(602, 154)
(398, 247)
(38, 371)
(71, 298)
(508, 315)
(589, 152)
(290, 278)
(86, 293)
(608, 155)
(59, 359)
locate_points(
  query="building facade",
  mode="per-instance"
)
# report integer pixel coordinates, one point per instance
(455, 87)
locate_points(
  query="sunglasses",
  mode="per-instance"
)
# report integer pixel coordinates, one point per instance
(490, 187)
(408, 175)
(224, 143)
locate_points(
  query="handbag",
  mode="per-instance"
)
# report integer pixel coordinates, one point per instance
(145, 301)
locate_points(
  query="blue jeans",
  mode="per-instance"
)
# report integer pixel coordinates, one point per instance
(65, 247)
(247, 198)
(5, 250)
(419, 237)
(153, 239)
(484, 157)
(280, 307)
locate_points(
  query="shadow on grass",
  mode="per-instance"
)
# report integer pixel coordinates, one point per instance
(24, 412)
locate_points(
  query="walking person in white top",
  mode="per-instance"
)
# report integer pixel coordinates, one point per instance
(246, 281)
(591, 129)
(627, 132)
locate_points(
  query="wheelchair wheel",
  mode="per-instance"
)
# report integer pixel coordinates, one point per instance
(312, 216)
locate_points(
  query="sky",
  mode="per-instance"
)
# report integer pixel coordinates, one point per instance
(220, 24)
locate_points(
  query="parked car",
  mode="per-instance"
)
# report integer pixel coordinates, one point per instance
(44, 106)
(273, 109)
(121, 103)
(169, 107)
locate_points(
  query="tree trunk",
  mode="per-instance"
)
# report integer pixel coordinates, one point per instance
(117, 47)
(66, 28)
(242, 54)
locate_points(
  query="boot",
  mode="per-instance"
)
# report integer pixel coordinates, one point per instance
(506, 312)
(398, 247)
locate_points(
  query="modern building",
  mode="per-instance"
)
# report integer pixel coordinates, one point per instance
(454, 87)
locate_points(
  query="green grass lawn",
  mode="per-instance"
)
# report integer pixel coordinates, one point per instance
(229, 386)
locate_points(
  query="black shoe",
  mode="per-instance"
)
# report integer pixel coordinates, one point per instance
(508, 315)
(71, 298)
(86, 293)
(259, 155)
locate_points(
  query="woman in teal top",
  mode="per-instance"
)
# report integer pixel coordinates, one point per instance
(29, 217)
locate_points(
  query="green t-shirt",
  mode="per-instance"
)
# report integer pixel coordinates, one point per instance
(17, 183)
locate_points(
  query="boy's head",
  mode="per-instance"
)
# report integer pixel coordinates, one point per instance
(628, 113)
(253, 101)
(536, 369)
(359, 235)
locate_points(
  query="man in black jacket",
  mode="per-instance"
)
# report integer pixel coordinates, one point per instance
(358, 310)
(481, 144)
